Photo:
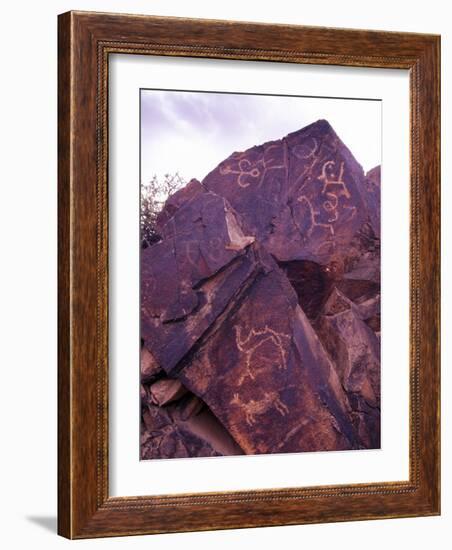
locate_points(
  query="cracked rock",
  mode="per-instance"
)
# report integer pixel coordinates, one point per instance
(260, 306)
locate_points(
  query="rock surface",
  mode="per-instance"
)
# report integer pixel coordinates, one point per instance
(304, 197)
(355, 352)
(260, 306)
(259, 368)
(183, 429)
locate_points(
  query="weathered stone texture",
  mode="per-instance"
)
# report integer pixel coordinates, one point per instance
(260, 306)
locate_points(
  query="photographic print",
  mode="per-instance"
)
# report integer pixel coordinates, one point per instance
(259, 274)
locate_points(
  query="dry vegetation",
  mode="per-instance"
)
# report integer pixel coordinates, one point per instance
(153, 197)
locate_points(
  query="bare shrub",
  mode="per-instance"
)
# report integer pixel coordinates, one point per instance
(153, 197)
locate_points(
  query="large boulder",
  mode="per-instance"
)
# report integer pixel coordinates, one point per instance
(265, 375)
(304, 197)
(261, 301)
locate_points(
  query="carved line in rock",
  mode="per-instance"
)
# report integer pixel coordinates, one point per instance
(256, 170)
(312, 214)
(332, 179)
(251, 343)
(330, 205)
(253, 408)
(324, 193)
(310, 166)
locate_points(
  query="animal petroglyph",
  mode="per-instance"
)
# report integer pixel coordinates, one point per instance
(253, 408)
(260, 304)
(251, 346)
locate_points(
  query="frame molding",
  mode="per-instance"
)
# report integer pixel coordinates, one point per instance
(85, 41)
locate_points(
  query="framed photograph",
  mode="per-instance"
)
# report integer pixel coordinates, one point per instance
(248, 275)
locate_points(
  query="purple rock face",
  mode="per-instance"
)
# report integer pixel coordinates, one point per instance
(175, 201)
(355, 351)
(259, 367)
(260, 305)
(304, 197)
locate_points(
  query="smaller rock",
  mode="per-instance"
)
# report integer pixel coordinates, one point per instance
(143, 395)
(166, 390)
(190, 405)
(355, 350)
(148, 366)
(206, 426)
(184, 429)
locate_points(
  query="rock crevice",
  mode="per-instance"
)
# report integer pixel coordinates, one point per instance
(260, 306)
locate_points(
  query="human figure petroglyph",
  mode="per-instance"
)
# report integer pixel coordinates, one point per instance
(331, 204)
(332, 179)
(255, 339)
(253, 408)
(312, 214)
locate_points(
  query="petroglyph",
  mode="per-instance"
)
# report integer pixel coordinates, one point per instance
(253, 258)
(257, 171)
(310, 154)
(307, 152)
(331, 204)
(329, 178)
(312, 214)
(268, 161)
(250, 345)
(245, 168)
(253, 408)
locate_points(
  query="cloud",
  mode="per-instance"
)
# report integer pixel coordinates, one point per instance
(191, 132)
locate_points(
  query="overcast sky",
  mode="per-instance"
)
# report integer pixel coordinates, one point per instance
(192, 132)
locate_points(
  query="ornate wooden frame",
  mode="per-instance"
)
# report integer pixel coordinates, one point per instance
(85, 42)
